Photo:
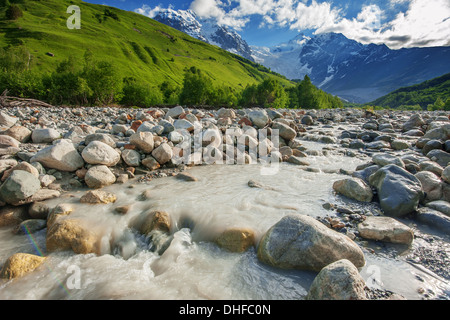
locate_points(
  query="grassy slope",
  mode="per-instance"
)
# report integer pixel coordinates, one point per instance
(423, 94)
(137, 46)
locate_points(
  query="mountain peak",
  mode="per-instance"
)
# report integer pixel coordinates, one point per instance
(206, 30)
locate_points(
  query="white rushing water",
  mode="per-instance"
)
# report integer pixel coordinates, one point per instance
(193, 267)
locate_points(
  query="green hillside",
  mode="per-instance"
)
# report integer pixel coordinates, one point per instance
(432, 94)
(135, 45)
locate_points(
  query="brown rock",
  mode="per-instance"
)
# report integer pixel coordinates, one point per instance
(20, 264)
(70, 234)
(98, 197)
(156, 220)
(236, 239)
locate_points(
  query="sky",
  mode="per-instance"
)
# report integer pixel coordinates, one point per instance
(395, 23)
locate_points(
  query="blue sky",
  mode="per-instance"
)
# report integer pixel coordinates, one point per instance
(396, 23)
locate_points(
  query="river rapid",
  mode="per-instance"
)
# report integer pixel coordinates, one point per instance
(193, 266)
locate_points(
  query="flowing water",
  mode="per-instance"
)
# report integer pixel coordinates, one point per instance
(193, 267)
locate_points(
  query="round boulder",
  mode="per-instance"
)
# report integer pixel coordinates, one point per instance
(302, 242)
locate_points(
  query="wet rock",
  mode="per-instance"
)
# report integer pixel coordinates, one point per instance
(11, 216)
(385, 229)
(440, 205)
(20, 264)
(431, 185)
(71, 234)
(40, 195)
(98, 152)
(156, 220)
(354, 188)
(434, 219)
(297, 161)
(236, 239)
(186, 176)
(143, 141)
(98, 197)
(339, 280)
(46, 135)
(61, 156)
(30, 226)
(62, 209)
(399, 192)
(19, 186)
(39, 210)
(301, 242)
(163, 153)
(99, 176)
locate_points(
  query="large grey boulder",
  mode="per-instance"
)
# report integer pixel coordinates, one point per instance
(61, 156)
(259, 118)
(99, 176)
(399, 192)
(285, 131)
(98, 152)
(338, 281)
(46, 135)
(143, 141)
(301, 242)
(19, 186)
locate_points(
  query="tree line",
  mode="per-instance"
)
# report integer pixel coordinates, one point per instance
(92, 82)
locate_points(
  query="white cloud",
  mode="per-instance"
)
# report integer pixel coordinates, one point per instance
(148, 11)
(424, 23)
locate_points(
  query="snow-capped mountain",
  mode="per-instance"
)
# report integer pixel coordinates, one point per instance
(205, 30)
(351, 70)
